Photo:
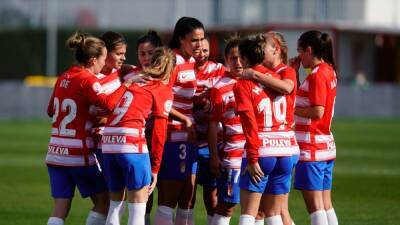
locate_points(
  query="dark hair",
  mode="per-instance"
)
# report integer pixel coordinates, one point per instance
(184, 26)
(112, 39)
(252, 48)
(232, 42)
(320, 43)
(85, 47)
(151, 37)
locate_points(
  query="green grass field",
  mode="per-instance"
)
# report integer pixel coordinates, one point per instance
(366, 179)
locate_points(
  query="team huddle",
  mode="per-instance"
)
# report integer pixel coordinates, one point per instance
(177, 120)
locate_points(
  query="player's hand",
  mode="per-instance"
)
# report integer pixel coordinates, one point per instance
(137, 79)
(248, 74)
(255, 172)
(215, 166)
(153, 183)
(295, 63)
(192, 137)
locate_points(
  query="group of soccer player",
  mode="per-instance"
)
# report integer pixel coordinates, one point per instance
(177, 120)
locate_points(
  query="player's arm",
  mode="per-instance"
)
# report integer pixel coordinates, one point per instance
(212, 132)
(313, 112)
(50, 106)
(181, 117)
(157, 142)
(284, 86)
(95, 94)
(248, 120)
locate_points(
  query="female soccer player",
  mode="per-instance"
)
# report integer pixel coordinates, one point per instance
(145, 47)
(283, 81)
(126, 158)
(109, 78)
(315, 103)
(268, 145)
(208, 74)
(70, 159)
(178, 169)
(225, 162)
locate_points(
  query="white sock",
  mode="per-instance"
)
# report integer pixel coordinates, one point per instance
(184, 217)
(136, 213)
(209, 219)
(122, 209)
(319, 218)
(164, 215)
(246, 220)
(55, 221)
(220, 220)
(274, 220)
(332, 218)
(147, 219)
(95, 218)
(259, 222)
(113, 216)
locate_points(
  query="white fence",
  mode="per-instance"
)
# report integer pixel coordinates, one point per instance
(379, 100)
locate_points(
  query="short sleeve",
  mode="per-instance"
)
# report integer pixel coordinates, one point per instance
(243, 96)
(216, 104)
(162, 103)
(317, 89)
(289, 74)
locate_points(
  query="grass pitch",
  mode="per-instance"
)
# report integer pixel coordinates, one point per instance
(366, 189)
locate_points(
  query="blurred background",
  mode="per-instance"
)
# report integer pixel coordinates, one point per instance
(366, 37)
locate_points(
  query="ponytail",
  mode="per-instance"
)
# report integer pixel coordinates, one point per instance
(327, 50)
(320, 43)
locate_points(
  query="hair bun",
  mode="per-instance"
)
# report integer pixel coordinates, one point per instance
(76, 40)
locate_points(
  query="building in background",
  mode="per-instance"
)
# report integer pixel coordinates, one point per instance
(366, 37)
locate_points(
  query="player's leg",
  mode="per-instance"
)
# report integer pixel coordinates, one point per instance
(250, 192)
(171, 181)
(62, 190)
(277, 188)
(309, 179)
(326, 194)
(186, 200)
(91, 183)
(228, 196)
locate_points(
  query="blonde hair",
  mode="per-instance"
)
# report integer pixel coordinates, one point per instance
(85, 47)
(162, 64)
(277, 39)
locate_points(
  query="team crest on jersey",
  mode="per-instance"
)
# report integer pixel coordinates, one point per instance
(182, 167)
(168, 106)
(96, 87)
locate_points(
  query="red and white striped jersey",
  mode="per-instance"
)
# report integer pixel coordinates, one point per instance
(314, 135)
(207, 77)
(268, 135)
(183, 82)
(124, 131)
(223, 111)
(286, 72)
(71, 143)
